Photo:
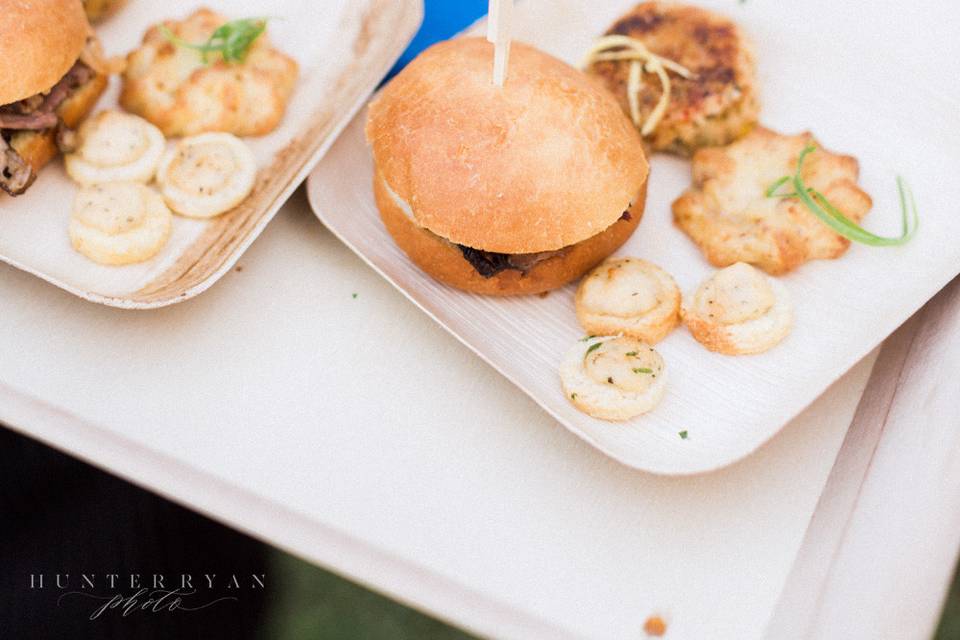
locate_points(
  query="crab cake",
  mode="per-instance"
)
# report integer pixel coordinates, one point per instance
(717, 104)
(739, 311)
(613, 378)
(173, 87)
(629, 296)
(729, 216)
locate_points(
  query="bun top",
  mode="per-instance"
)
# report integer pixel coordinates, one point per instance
(545, 162)
(39, 41)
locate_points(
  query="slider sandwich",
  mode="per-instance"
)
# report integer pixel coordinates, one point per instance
(51, 77)
(504, 190)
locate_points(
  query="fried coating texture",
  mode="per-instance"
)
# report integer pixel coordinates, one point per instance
(99, 9)
(714, 107)
(727, 214)
(170, 85)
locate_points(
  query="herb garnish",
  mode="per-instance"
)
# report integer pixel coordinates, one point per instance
(683, 434)
(232, 39)
(818, 204)
(631, 354)
(592, 348)
(642, 370)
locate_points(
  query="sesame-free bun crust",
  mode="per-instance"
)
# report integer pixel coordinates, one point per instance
(445, 262)
(545, 162)
(39, 42)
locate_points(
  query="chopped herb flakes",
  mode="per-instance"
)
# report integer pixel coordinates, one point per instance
(592, 348)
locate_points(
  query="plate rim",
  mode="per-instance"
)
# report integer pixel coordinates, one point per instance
(929, 288)
(411, 13)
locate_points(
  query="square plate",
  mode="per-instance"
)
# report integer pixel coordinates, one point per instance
(344, 48)
(818, 70)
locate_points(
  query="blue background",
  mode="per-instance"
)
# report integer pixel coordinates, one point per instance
(442, 19)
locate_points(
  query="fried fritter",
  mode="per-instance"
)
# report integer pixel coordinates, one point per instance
(170, 85)
(727, 214)
(99, 9)
(714, 107)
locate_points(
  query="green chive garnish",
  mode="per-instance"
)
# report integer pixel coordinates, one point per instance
(818, 204)
(642, 370)
(592, 348)
(232, 39)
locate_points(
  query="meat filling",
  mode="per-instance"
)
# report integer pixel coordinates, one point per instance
(36, 113)
(489, 264)
(16, 175)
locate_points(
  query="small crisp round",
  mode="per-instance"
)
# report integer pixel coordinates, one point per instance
(116, 147)
(119, 223)
(629, 296)
(39, 41)
(206, 175)
(739, 311)
(444, 261)
(613, 378)
(544, 162)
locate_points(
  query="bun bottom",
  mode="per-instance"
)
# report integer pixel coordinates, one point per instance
(444, 261)
(38, 148)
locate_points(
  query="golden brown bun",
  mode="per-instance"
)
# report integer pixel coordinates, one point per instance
(39, 41)
(545, 162)
(444, 261)
(39, 147)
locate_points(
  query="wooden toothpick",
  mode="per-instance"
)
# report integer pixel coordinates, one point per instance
(499, 23)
